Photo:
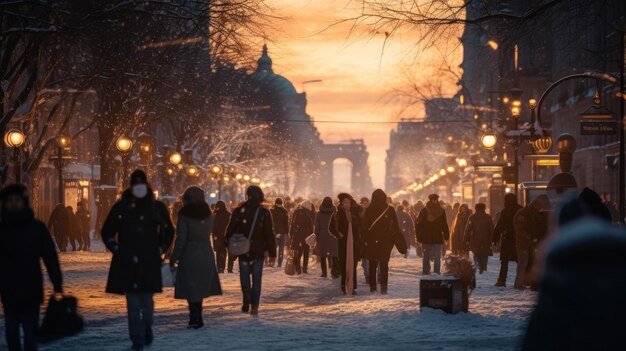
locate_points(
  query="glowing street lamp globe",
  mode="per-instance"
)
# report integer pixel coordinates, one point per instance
(462, 163)
(14, 138)
(123, 144)
(176, 158)
(442, 172)
(489, 141)
(239, 176)
(63, 141)
(192, 171)
(216, 170)
(246, 178)
(450, 169)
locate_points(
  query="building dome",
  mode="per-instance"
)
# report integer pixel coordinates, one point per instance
(264, 63)
(268, 82)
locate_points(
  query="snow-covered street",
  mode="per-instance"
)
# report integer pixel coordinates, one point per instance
(306, 312)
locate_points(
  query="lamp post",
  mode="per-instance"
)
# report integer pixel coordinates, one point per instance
(15, 139)
(124, 145)
(63, 142)
(216, 171)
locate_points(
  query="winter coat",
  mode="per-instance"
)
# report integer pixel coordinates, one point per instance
(527, 224)
(505, 234)
(326, 243)
(407, 228)
(59, 222)
(74, 225)
(479, 234)
(380, 236)
(338, 228)
(301, 228)
(83, 219)
(458, 233)
(137, 232)
(432, 228)
(280, 218)
(24, 242)
(220, 223)
(262, 239)
(197, 276)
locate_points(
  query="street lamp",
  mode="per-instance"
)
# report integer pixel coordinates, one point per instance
(14, 138)
(489, 141)
(192, 171)
(63, 142)
(462, 163)
(124, 144)
(217, 170)
(246, 178)
(176, 158)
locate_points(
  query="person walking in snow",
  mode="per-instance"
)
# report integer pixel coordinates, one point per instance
(197, 277)
(59, 225)
(365, 203)
(301, 227)
(381, 232)
(262, 243)
(84, 225)
(458, 245)
(24, 242)
(479, 235)
(220, 223)
(280, 219)
(327, 247)
(76, 240)
(407, 227)
(345, 225)
(431, 230)
(504, 233)
(138, 231)
(530, 228)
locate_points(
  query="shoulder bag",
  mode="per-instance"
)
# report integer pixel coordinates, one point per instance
(239, 244)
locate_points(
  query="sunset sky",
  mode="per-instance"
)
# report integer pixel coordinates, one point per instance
(358, 72)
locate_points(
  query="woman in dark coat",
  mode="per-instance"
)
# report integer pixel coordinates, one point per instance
(137, 231)
(301, 227)
(74, 232)
(327, 248)
(479, 235)
(345, 225)
(407, 228)
(505, 234)
(458, 231)
(24, 242)
(262, 242)
(381, 233)
(197, 276)
(222, 216)
(59, 225)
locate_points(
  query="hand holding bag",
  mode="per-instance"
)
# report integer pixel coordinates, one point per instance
(239, 244)
(61, 319)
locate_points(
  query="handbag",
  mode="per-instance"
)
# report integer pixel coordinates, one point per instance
(168, 276)
(239, 244)
(290, 268)
(61, 319)
(311, 240)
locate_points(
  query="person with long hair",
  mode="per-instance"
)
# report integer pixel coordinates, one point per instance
(252, 217)
(197, 277)
(345, 225)
(327, 248)
(381, 233)
(301, 227)
(458, 245)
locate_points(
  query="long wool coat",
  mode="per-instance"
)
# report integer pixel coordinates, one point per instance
(479, 234)
(326, 243)
(301, 228)
(458, 232)
(379, 238)
(137, 231)
(505, 233)
(197, 276)
(220, 223)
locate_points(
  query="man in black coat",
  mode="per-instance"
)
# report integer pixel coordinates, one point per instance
(59, 224)
(83, 219)
(137, 231)
(431, 230)
(505, 234)
(280, 219)
(24, 241)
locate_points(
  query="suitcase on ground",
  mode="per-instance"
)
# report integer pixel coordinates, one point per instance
(61, 319)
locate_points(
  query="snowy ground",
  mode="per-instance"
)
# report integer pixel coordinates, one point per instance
(305, 312)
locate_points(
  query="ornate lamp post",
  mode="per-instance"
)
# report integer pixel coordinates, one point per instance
(15, 139)
(63, 142)
(216, 171)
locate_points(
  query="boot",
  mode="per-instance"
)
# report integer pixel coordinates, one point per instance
(254, 311)
(383, 289)
(373, 288)
(246, 301)
(195, 315)
(500, 283)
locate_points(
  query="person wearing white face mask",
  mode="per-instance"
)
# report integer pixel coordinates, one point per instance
(138, 230)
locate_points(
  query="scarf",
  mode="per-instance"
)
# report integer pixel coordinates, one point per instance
(433, 211)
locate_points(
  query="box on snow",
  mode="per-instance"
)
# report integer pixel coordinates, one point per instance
(443, 293)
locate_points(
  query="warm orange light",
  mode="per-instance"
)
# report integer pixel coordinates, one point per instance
(176, 158)
(123, 144)
(63, 141)
(14, 138)
(489, 141)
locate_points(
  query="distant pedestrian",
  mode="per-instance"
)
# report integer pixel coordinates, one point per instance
(529, 229)
(59, 224)
(196, 278)
(262, 243)
(407, 228)
(479, 235)
(345, 225)
(364, 203)
(504, 234)
(431, 230)
(381, 233)
(76, 240)
(458, 245)
(301, 227)
(138, 231)
(83, 219)
(327, 246)
(280, 219)
(220, 223)
(24, 242)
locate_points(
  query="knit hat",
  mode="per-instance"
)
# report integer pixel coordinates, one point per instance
(138, 177)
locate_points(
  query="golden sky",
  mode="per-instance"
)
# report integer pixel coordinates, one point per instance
(358, 72)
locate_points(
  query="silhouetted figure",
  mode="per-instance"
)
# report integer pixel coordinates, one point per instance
(59, 225)
(327, 247)
(505, 234)
(222, 216)
(479, 235)
(345, 225)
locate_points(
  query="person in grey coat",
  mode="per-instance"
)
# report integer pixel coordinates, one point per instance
(197, 276)
(327, 246)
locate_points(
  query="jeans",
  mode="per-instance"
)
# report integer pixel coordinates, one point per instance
(431, 250)
(140, 317)
(523, 257)
(383, 273)
(334, 265)
(25, 316)
(481, 262)
(251, 290)
(280, 246)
